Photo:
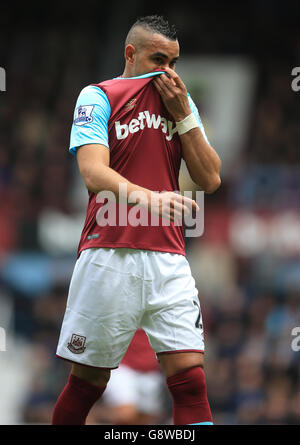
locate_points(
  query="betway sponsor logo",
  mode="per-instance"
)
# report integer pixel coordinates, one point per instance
(144, 120)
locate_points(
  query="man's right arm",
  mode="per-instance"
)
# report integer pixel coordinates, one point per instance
(93, 163)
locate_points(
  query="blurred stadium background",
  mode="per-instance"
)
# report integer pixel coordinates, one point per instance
(236, 61)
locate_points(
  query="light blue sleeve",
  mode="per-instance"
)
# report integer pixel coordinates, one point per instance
(194, 110)
(91, 115)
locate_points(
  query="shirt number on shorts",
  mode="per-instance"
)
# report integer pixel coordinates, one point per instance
(198, 323)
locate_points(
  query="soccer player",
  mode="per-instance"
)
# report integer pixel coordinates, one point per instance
(129, 136)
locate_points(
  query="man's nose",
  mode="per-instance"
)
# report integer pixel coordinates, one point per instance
(163, 66)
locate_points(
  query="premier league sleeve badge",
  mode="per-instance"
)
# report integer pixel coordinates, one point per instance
(83, 115)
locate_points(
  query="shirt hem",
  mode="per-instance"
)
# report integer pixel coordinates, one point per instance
(130, 246)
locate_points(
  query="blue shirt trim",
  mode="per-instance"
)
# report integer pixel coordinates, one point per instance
(143, 76)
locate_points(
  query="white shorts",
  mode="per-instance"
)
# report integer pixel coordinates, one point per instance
(141, 389)
(113, 292)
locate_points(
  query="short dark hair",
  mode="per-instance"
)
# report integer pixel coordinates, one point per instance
(155, 24)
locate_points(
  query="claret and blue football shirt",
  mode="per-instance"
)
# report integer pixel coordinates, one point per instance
(128, 116)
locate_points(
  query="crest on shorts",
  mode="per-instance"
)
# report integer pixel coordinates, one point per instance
(77, 344)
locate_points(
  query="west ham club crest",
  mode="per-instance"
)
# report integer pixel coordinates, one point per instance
(77, 344)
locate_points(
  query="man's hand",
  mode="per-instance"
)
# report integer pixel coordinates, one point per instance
(173, 93)
(170, 206)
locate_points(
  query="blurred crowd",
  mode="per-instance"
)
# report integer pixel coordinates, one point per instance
(250, 302)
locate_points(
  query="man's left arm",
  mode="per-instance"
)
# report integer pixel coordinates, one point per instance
(201, 159)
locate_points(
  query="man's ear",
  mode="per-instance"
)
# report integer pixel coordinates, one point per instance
(130, 53)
